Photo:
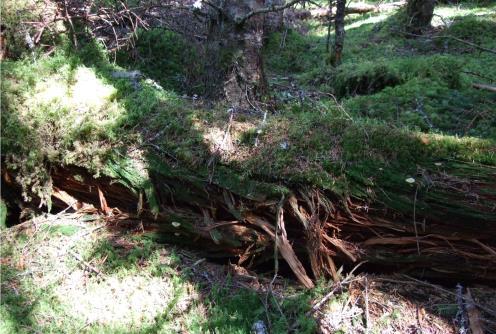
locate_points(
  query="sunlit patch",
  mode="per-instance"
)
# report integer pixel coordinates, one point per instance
(224, 140)
(126, 300)
(50, 90)
(89, 91)
(75, 99)
(370, 20)
(443, 12)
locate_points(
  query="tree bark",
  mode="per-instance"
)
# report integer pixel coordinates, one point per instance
(419, 15)
(339, 33)
(234, 53)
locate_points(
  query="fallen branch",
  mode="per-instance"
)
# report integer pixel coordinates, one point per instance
(484, 87)
(86, 264)
(240, 21)
(337, 287)
(448, 37)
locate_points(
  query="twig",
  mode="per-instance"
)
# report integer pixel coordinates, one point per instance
(337, 287)
(86, 264)
(415, 219)
(279, 221)
(367, 320)
(479, 75)
(68, 17)
(449, 37)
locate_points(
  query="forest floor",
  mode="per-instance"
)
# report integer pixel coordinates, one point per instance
(396, 107)
(84, 273)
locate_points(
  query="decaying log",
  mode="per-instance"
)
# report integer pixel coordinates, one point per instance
(452, 236)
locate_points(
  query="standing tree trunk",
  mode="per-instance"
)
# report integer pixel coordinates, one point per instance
(234, 53)
(419, 14)
(339, 33)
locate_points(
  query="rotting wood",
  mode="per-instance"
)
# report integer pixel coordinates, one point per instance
(474, 317)
(103, 202)
(70, 201)
(245, 227)
(289, 255)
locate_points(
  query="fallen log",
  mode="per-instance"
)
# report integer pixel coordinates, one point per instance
(452, 235)
(362, 8)
(484, 87)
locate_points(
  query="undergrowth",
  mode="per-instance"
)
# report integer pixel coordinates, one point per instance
(405, 109)
(411, 107)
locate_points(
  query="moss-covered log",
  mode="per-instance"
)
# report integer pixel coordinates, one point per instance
(444, 229)
(330, 184)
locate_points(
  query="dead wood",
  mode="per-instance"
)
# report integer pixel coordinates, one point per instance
(316, 233)
(474, 316)
(485, 87)
(362, 8)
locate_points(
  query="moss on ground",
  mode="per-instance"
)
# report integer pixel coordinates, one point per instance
(143, 286)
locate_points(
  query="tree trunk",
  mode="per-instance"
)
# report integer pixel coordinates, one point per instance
(234, 54)
(419, 15)
(339, 33)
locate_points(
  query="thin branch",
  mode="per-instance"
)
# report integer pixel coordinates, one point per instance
(242, 20)
(484, 87)
(450, 37)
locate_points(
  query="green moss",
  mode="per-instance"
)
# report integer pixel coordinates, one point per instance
(164, 56)
(410, 95)
(474, 28)
(291, 52)
(3, 214)
(365, 78)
